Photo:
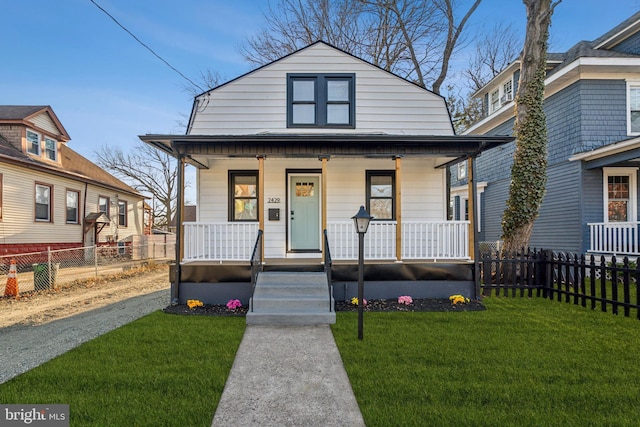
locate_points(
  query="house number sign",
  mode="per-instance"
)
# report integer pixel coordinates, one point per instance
(273, 199)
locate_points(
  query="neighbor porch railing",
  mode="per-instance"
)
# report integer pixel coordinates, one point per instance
(617, 238)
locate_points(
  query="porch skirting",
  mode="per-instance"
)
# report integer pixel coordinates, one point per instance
(218, 283)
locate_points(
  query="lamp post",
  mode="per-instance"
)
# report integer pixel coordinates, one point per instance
(361, 221)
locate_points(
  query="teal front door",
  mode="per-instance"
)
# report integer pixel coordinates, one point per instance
(304, 212)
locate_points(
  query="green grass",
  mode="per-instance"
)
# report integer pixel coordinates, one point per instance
(161, 370)
(524, 362)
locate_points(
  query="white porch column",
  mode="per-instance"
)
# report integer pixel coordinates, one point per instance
(472, 207)
(261, 211)
(323, 202)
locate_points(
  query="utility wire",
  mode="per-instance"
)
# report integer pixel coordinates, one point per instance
(147, 47)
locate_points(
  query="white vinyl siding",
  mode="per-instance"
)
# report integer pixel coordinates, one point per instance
(257, 102)
(18, 208)
(43, 121)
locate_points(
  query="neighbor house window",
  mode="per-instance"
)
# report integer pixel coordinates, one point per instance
(122, 214)
(507, 91)
(43, 202)
(50, 148)
(72, 207)
(633, 114)
(462, 170)
(321, 100)
(381, 194)
(103, 205)
(33, 143)
(495, 100)
(620, 194)
(243, 195)
(0, 196)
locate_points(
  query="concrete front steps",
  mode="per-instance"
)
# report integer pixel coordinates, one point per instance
(284, 298)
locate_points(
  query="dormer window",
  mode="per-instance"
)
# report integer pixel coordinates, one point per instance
(50, 148)
(321, 100)
(33, 143)
(495, 100)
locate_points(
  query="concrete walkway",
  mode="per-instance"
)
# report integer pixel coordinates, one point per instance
(288, 376)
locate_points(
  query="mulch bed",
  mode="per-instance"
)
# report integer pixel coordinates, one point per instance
(390, 305)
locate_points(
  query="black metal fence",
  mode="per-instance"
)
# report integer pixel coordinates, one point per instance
(595, 282)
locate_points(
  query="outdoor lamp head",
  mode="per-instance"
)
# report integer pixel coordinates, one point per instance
(361, 220)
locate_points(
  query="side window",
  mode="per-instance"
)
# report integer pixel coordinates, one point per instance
(1, 191)
(33, 143)
(381, 194)
(43, 202)
(633, 113)
(243, 196)
(103, 205)
(122, 214)
(73, 215)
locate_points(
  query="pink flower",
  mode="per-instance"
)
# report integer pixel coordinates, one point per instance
(233, 304)
(405, 299)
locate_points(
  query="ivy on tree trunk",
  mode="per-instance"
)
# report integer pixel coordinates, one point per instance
(529, 170)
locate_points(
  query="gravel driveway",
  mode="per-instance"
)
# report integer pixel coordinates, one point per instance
(25, 346)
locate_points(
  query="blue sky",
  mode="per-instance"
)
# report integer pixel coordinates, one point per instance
(107, 89)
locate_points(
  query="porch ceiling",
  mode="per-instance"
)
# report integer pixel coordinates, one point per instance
(314, 145)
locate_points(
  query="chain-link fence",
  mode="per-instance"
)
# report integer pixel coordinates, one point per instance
(54, 268)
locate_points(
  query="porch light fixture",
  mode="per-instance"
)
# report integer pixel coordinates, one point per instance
(361, 221)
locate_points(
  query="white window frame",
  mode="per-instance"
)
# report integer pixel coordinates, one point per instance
(30, 143)
(462, 170)
(46, 150)
(632, 173)
(631, 84)
(494, 102)
(49, 203)
(76, 220)
(123, 213)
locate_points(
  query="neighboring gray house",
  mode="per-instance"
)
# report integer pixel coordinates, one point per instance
(592, 103)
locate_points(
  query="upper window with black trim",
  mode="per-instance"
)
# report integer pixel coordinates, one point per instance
(321, 100)
(381, 194)
(243, 196)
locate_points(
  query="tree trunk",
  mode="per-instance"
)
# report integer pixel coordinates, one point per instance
(529, 170)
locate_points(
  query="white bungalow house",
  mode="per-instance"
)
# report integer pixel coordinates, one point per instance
(291, 151)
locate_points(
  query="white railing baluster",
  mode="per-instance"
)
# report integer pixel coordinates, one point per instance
(618, 238)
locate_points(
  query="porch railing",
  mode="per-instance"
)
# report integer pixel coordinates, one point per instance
(220, 241)
(426, 240)
(420, 240)
(618, 238)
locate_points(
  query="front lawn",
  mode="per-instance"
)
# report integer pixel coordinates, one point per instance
(522, 362)
(161, 370)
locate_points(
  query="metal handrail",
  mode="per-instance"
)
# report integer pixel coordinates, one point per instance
(327, 266)
(256, 264)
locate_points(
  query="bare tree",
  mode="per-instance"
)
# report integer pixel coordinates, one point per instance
(529, 170)
(414, 39)
(148, 171)
(494, 51)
